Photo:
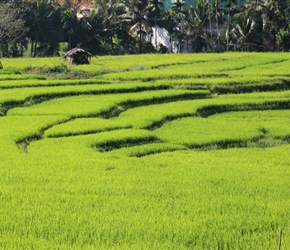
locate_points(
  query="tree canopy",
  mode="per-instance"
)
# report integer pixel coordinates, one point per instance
(45, 27)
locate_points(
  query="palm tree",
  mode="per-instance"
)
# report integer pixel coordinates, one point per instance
(283, 33)
(230, 10)
(91, 30)
(112, 12)
(137, 17)
(44, 24)
(271, 16)
(245, 33)
(274, 18)
(169, 24)
(197, 21)
(71, 25)
(179, 18)
(155, 10)
(219, 14)
(208, 3)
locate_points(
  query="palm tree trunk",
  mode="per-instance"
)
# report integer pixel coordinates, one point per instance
(140, 38)
(31, 49)
(69, 40)
(210, 29)
(217, 26)
(112, 42)
(274, 42)
(35, 45)
(228, 26)
(34, 49)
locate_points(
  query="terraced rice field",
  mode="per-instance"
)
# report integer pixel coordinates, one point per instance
(146, 152)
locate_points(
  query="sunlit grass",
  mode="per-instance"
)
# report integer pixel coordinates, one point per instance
(187, 151)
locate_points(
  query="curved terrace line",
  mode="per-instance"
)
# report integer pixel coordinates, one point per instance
(52, 85)
(260, 64)
(115, 111)
(220, 89)
(202, 112)
(260, 142)
(220, 108)
(39, 98)
(23, 143)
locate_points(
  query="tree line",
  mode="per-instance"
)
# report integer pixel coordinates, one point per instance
(110, 27)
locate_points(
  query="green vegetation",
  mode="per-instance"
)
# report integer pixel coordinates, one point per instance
(117, 27)
(146, 152)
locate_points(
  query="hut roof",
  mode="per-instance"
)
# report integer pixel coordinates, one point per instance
(75, 51)
(78, 56)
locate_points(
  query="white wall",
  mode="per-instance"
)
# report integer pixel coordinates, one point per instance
(161, 36)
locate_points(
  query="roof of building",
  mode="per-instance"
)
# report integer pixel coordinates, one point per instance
(75, 51)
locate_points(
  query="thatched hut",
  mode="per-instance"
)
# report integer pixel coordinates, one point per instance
(78, 56)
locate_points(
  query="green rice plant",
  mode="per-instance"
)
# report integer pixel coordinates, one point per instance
(281, 69)
(40, 83)
(201, 69)
(272, 123)
(228, 129)
(17, 132)
(108, 140)
(148, 149)
(26, 126)
(19, 64)
(199, 131)
(133, 179)
(92, 105)
(155, 115)
(18, 96)
(109, 64)
(213, 81)
(84, 126)
(165, 109)
(227, 85)
(266, 85)
(19, 77)
(203, 199)
(171, 72)
(145, 117)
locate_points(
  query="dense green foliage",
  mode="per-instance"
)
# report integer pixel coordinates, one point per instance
(113, 27)
(147, 152)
